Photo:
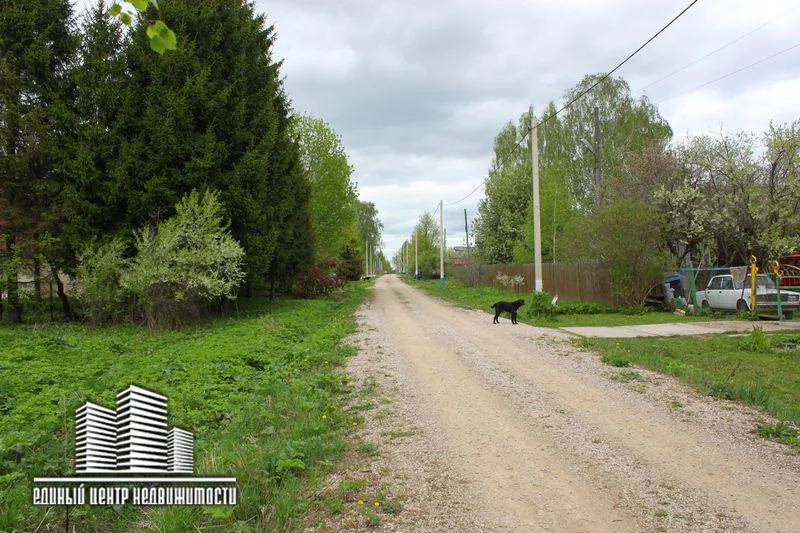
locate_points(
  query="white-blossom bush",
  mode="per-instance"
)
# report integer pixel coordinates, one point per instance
(189, 259)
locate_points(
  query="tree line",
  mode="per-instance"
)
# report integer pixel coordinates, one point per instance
(102, 139)
(618, 190)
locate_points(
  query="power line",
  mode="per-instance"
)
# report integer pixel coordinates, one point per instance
(481, 184)
(606, 76)
(729, 74)
(583, 93)
(795, 8)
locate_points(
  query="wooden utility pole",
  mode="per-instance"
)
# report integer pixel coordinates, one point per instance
(416, 255)
(537, 227)
(441, 244)
(466, 230)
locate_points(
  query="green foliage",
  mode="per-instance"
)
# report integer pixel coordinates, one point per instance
(508, 194)
(570, 307)
(253, 391)
(628, 126)
(780, 431)
(334, 201)
(99, 273)
(350, 263)
(615, 359)
(634, 259)
(757, 341)
(540, 304)
(190, 258)
(425, 242)
(214, 114)
(161, 37)
(37, 47)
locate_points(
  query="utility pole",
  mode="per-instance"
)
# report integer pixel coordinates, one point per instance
(366, 258)
(416, 255)
(537, 227)
(597, 169)
(466, 230)
(441, 244)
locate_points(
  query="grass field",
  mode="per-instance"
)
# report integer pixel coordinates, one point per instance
(482, 297)
(759, 369)
(261, 393)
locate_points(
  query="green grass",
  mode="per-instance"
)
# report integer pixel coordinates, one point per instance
(262, 394)
(752, 368)
(482, 297)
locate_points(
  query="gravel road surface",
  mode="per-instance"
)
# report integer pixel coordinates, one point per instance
(511, 428)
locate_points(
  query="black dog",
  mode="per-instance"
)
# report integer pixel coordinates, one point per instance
(510, 307)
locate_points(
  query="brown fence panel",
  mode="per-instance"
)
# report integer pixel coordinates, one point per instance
(580, 282)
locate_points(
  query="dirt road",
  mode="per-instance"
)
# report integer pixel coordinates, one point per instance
(515, 429)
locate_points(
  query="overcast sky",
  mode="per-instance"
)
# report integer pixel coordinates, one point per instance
(418, 89)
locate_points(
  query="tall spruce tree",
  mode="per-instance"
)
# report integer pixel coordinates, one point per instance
(36, 50)
(214, 114)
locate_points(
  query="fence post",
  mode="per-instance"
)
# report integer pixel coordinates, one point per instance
(692, 286)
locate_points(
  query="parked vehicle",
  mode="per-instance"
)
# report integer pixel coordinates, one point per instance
(725, 293)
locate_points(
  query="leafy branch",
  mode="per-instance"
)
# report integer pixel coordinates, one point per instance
(161, 37)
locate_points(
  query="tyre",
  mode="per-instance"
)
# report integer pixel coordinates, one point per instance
(741, 305)
(788, 315)
(705, 305)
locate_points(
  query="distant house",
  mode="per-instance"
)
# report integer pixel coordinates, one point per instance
(462, 261)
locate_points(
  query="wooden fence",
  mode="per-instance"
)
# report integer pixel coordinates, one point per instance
(583, 282)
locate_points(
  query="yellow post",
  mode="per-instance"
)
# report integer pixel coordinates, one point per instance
(753, 272)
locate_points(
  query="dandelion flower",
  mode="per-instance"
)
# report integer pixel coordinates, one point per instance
(360, 502)
(324, 417)
(377, 504)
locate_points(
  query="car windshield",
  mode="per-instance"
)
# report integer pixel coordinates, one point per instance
(763, 281)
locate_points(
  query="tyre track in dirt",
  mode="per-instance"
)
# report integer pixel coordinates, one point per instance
(547, 442)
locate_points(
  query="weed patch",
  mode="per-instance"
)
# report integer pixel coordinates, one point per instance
(627, 376)
(781, 431)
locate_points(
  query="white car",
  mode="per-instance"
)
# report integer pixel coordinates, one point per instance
(725, 293)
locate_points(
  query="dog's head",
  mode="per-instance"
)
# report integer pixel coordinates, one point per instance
(519, 303)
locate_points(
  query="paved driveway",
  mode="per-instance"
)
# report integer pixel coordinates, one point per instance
(685, 328)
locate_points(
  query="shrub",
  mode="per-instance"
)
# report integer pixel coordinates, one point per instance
(349, 264)
(567, 307)
(315, 282)
(99, 288)
(633, 258)
(189, 259)
(541, 304)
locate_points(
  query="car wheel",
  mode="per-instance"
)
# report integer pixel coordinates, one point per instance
(705, 305)
(741, 305)
(788, 315)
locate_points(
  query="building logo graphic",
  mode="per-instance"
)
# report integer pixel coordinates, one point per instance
(134, 438)
(130, 455)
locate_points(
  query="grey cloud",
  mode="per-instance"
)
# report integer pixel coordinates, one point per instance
(419, 89)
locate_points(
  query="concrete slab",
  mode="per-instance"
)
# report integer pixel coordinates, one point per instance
(672, 329)
(608, 332)
(679, 328)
